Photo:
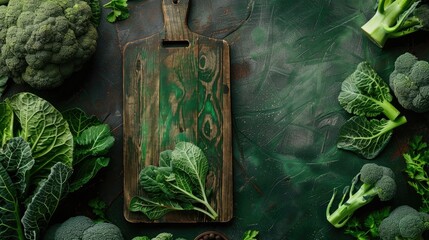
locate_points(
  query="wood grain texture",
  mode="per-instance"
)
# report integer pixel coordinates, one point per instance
(176, 94)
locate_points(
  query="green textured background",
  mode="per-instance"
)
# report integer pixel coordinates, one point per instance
(288, 59)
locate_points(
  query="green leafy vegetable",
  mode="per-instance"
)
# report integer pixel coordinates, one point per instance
(365, 94)
(367, 228)
(177, 184)
(78, 120)
(119, 10)
(36, 159)
(367, 137)
(45, 129)
(45, 200)
(10, 220)
(250, 235)
(417, 169)
(99, 208)
(92, 139)
(16, 157)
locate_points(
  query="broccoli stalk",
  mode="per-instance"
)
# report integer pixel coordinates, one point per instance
(376, 181)
(393, 18)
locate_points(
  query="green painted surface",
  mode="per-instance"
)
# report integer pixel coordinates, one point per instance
(288, 60)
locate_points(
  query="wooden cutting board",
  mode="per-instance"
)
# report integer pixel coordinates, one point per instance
(177, 87)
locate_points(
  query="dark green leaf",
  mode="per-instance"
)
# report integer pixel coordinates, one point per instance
(165, 158)
(366, 137)
(16, 157)
(78, 121)
(10, 225)
(45, 200)
(86, 170)
(155, 209)
(46, 130)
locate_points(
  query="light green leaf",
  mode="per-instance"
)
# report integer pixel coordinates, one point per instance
(10, 225)
(6, 122)
(163, 236)
(367, 137)
(45, 129)
(94, 141)
(16, 158)
(155, 209)
(45, 200)
(87, 171)
(191, 160)
(78, 120)
(364, 93)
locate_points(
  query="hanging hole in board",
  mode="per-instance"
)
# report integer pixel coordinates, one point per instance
(175, 44)
(175, 1)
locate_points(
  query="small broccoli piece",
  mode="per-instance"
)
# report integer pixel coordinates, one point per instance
(410, 82)
(376, 181)
(396, 18)
(404, 223)
(102, 230)
(73, 228)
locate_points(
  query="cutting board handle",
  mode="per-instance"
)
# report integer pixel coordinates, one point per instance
(175, 20)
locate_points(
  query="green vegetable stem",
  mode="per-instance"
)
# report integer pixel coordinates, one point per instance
(396, 18)
(376, 181)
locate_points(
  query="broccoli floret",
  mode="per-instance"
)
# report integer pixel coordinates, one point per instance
(396, 18)
(105, 231)
(73, 228)
(375, 181)
(410, 82)
(43, 42)
(404, 223)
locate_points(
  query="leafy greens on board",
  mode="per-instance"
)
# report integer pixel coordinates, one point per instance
(177, 184)
(37, 158)
(365, 94)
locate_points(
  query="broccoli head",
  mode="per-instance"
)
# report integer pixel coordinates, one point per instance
(44, 41)
(404, 223)
(410, 82)
(375, 181)
(396, 18)
(81, 227)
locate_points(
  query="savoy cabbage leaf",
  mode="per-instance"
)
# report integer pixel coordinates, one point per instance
(367, 137)
(45, 200)
(10, 225)
(364, 93)
(45, 129)
(15, 156)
